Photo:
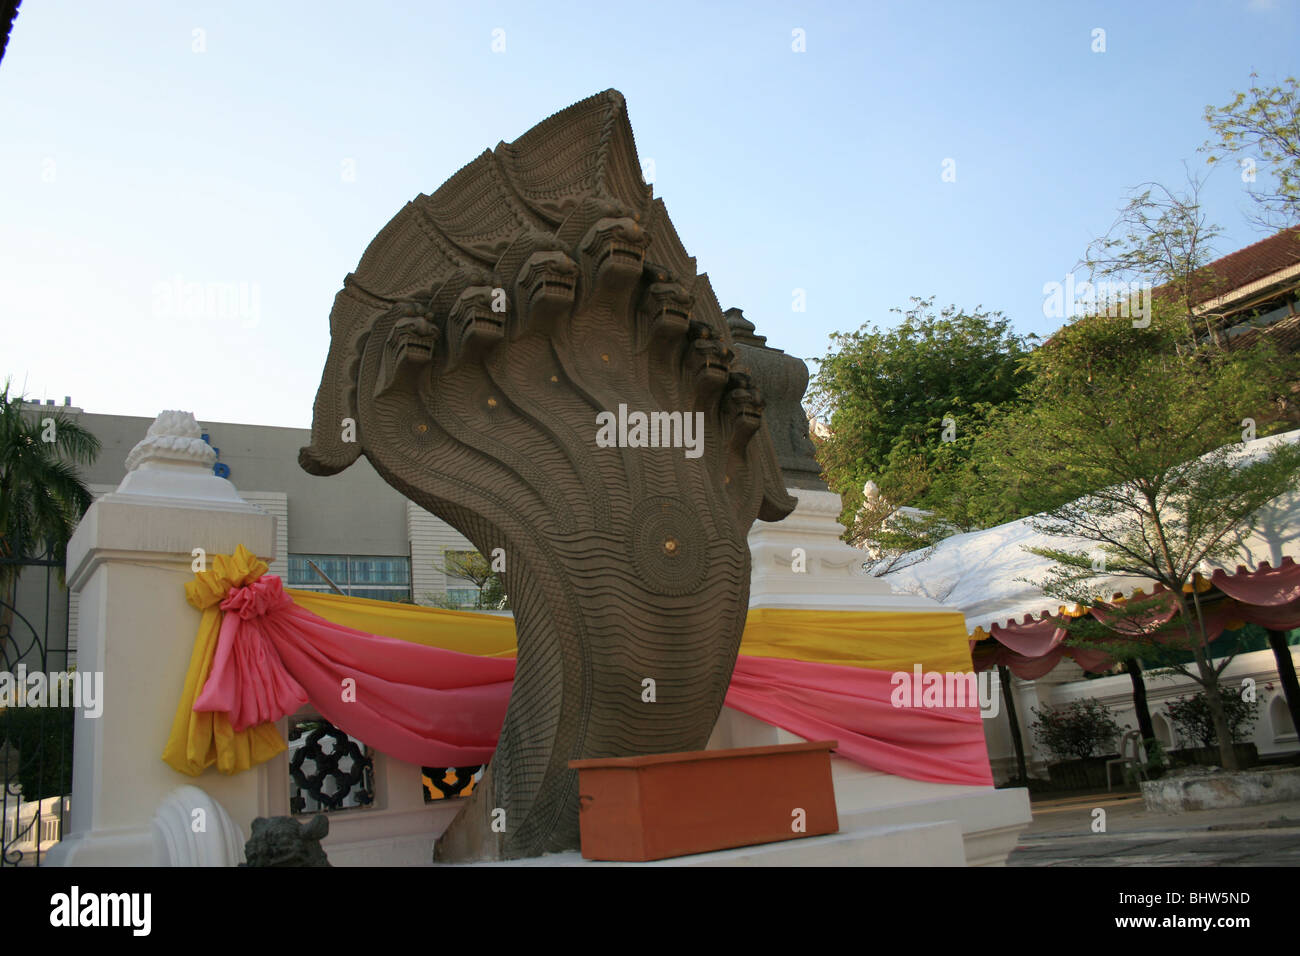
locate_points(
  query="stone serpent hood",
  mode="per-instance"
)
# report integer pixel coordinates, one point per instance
(530, 354)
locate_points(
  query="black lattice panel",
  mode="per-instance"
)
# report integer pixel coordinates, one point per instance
(330, 767)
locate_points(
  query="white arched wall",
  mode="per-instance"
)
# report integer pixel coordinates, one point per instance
(1279, 720)
(1164, 729)
(1272, 733)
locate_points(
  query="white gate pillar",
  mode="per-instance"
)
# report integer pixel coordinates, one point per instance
(129, 560)
(800, 562)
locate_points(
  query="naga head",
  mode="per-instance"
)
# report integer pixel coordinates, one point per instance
(410, 346)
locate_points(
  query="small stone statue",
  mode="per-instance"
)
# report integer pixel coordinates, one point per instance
(283, 841)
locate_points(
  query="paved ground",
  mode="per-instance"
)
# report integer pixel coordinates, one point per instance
(1062, 835)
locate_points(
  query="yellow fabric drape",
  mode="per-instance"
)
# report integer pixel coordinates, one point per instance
(198, 740)
(885, 640)
(484, 635)
(881, 640)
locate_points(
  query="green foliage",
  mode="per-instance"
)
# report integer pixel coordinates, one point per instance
(43, 737)
(1195, 721)
(494, 593)
(41, 494)
(1157, 758)
(1161, 238)
(887, 395)
(1131, 445)
(1165, 658)
(473, 567)
(1263, 124)
(1078, 729)
(1108, 443)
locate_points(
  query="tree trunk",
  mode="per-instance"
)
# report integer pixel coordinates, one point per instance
(1210, 681)
(1004, 678)
(1145, 727)
(1286, 672)
(1214, 698)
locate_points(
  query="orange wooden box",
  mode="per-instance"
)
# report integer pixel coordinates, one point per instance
(664, 805)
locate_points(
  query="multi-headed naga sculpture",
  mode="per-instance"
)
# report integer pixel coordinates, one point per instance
(488, 335)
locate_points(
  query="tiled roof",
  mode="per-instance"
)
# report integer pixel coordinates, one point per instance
(1241, 268)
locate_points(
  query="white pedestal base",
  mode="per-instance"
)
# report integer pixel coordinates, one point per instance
(802, 563)
(987, 820)
(128, 846)
(922, 844)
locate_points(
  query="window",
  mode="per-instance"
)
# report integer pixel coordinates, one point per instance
(364, 576)
(463, 597)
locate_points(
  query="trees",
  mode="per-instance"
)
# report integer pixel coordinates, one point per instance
(1075, 730)
(1195, 723)
(41, 494)
(1263, 122)
(904, 406)
(1161, 239)
(476, 569)
(1131, 446)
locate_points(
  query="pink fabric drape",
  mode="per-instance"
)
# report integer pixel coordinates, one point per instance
(423, 705)
(1029, 638)
(248, 680)
(1026, 668)
(1033, 648)
(1029, 648)
(439, 708)
(1032, 668)
(852, 705)
(1284, 617)
(1217, 616)
(1267, 596)
(1160, 608)
(1266, 586)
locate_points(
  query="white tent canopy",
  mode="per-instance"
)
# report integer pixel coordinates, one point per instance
(980, 573)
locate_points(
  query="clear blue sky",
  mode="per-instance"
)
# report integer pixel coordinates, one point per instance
(130, 162)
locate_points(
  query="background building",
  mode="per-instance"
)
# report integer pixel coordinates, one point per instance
(1253, 292)
(370, 540)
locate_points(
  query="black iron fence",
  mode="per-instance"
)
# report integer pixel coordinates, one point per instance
(35, 730)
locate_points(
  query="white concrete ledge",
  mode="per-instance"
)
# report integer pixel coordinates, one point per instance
(1215, 791)
(989, 820)
(922, 844)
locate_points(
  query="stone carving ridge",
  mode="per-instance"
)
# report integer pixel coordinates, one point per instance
(783, 380)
